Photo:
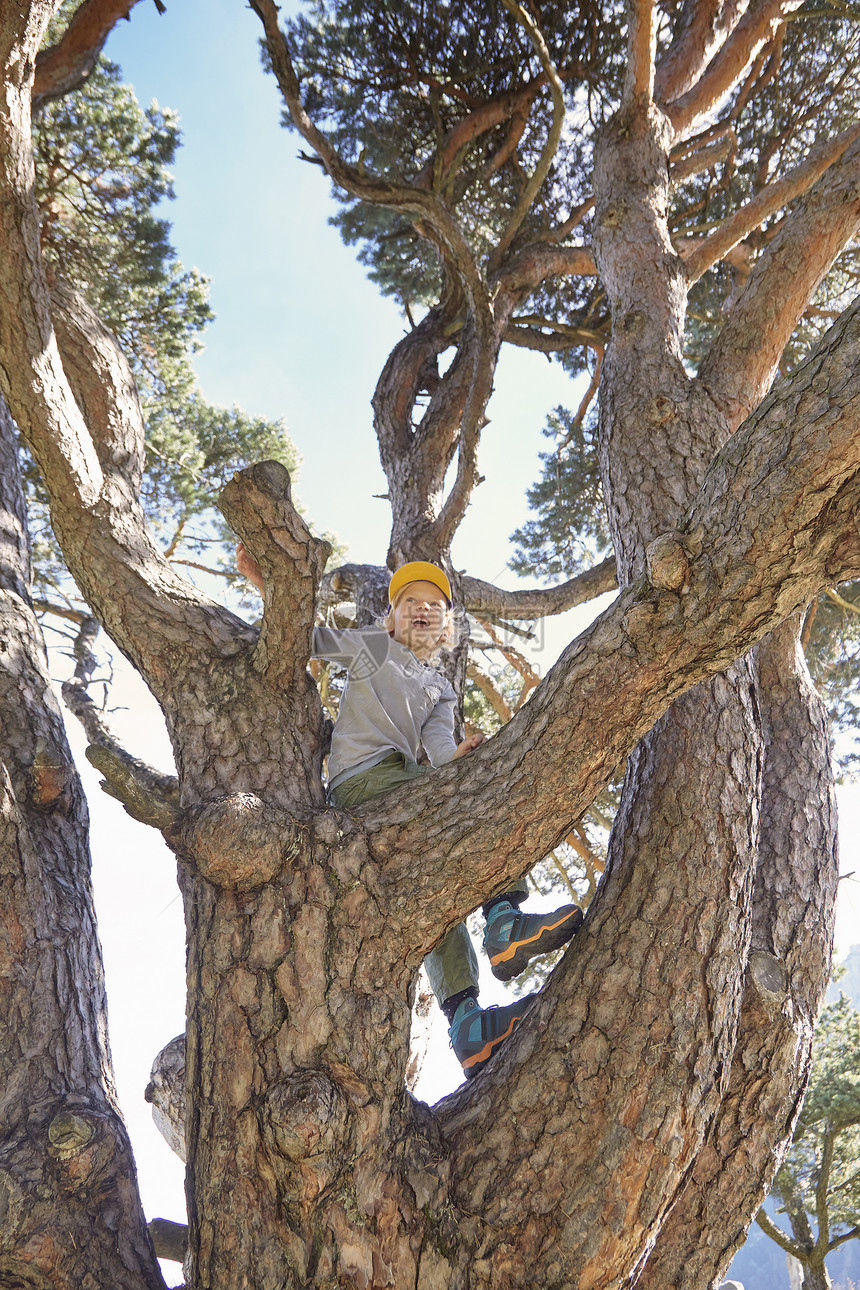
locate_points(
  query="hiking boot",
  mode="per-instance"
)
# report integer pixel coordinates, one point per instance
(477, 1032)
(511, 939)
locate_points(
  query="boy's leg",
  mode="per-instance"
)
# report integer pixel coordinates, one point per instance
(475, 1032)
(387, 774)
(512, 939)
(453, 966)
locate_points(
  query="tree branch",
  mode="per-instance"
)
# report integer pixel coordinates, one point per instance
(767, 1225)
(768, 200)
(550, 148)
(845, 1236)
(693, 163)
(147, 794)
(515, 104)
(744, 357)
(703, 26)
(481, 597)
(757, 26)
(362, 582)
(137, 787)
(413, 200)
(31, 376)
(517, 661)
(745, 560)
(169, 1239)
(257, 504)
(560, 338)
(65, 66)
(641, 38)
(59, 611)
(480, 348)
(56, 1085)
(494, 697)
(410, 366)
(90, 471)
(102, 384)
(531, 266)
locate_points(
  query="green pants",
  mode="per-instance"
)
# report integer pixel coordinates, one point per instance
(453, 965)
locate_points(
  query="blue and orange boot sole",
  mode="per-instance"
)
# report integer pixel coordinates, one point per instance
(530, 935)
(479, 1034)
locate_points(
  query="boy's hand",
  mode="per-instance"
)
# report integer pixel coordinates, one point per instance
(467, 746)
(248, 567)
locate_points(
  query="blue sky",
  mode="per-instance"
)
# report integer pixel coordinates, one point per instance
(299, 334)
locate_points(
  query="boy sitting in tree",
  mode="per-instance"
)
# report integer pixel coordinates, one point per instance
(395, 702)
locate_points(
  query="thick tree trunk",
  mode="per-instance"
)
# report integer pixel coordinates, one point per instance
(70, 1217)
(659, 430)
(786, 976)
(816, 1278)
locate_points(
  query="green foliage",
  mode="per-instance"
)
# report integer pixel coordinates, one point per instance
(833, 1099)
(832, 645)
(102, 174)
(830, 1114)
(569, 530)
(391, 80)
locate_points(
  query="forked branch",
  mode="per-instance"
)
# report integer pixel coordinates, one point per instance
(767, 1225)
(767, 201)
(742, 360)
(758, 25)
(703, 24)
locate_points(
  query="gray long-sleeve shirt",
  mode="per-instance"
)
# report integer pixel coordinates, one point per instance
(392, 702)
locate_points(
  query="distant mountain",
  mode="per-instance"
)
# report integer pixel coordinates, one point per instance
(849, 983)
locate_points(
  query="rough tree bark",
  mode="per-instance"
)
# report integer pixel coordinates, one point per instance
(669, 1048)
(69, 1211)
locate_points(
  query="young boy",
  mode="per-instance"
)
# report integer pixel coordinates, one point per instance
(395, 702)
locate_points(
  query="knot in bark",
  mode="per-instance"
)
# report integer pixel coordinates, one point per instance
(660, 410)
(770, 977)
(236, 841)
(613, 215)
(69, 1133)
(667, 562)
(86, 1148)
(306, 1122)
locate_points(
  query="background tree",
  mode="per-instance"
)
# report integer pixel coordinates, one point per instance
(102, 171)
(818, 1184)
(631, 1100)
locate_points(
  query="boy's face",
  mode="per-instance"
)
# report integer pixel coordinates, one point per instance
(420, 617)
